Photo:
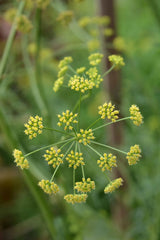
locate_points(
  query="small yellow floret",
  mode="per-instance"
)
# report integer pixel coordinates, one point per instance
(134, 154)
(48, 187)
(113, 185)
(84, 136)
(53, 157)
(107, 110)
(95, 59)
(33, 127)
(75, 198)
(80, 70)
(136, 116)
(20, 159)
(75, 159)
(85, 186)
(67, 119)
(107, 162)
(116, 60)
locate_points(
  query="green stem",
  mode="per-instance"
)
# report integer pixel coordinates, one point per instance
(59, 131)
(10, 39)
(83, 174)
(94, 150)
(77, 103)
(93, 123)
(42, 148)
(62, 159)
(72, 69)
(107, 72)
(79, 110)
(41, 202)
(107, 146)
(106, 124)
(74, 177)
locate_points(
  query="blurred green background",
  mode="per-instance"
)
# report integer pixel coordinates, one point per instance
(138, 23)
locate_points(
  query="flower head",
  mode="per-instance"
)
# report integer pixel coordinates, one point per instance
(80, 70)
(42, 3)
(65, 17)
(107, 110)
(54, 157)
(75, 159)
(85, 186)
(67, 119)
(136, 116)
(20, 159)
(95, 59)
(10, 14)
(93, 45)
(81, 84)
(23, 24)
(134, 154)
(107, 162)
(65, 61)
(48, 187)
(84, 136)
(33, 127)
(58, 83)
(94, 77)
(113, 185)
(116, 60)
(75, 198)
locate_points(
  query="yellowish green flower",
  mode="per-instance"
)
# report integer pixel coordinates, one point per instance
(134, 154)
(108, 32)
(85, 186)
(65, 61)
(65, 17)
(33, 127)
(48, 187)
(83, 22)
(58, 83)
(95, 59)
(62, 71)
(20, 159)
(116, 60)
(54, 157)
(75, 159)
(107, 162)
(135, 115)
(75, 198)
(81, 84)
(10, 15)
(42, 3)
(94, 77)
(102, 21)
(80, 70)
(67, 119)
(24, 25)
(113, 185)
(93, 45)
(119, 44)
(107, 110)
(84, 136)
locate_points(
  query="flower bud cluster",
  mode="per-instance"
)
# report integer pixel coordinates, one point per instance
(94, 76)
(134, 154)
(75, 198)
(84, 136)
(135, 115)
(116, 60)
(23, 24)
(48, 187)
(58, 83)
(107, 110)
(113, 185)
(65, 17)
(95, 59)
(75, 159)
(85, 186)
(33, 127)
(81, 84)
(20, 159)
(67, 118)
(107, 162)
(53, 157)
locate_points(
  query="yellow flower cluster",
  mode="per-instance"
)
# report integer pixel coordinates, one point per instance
(136, 116)
(42, 3)
(94, 77)
(58, 83)
(75, 198)
(23, 24)
(67, 118)
(48, 187)
(62, 71)
(108, 32)
(134, 154)
(65, 17)
(80, 70)
(116, 60)
(93, 45)
(84, 136)
(85, 186)
(20, 159)
(119, 44)
(53, 157)
(103, 21)
(33, 127)
(10, 14)
(108, 110)
(107, 162)
(81, 84)
(75, 159)
(113, 185)
(65, 61)
(95, 59)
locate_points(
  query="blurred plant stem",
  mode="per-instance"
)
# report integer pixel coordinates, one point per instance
(156, 9)
(10, 40)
